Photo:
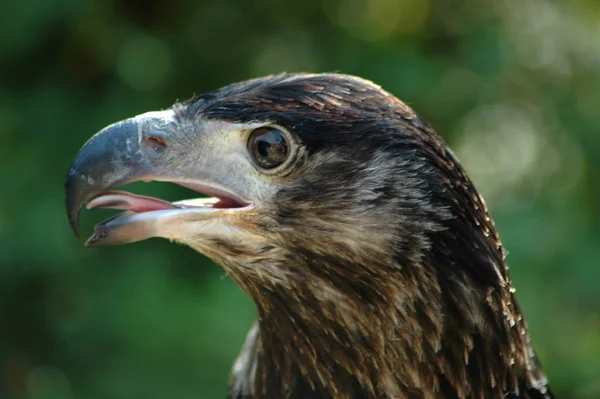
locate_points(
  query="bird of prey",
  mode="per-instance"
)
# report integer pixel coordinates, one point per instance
(372, 260)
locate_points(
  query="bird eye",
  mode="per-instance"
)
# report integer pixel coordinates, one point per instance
(269, 147)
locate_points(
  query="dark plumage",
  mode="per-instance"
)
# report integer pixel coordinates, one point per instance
(373, 262)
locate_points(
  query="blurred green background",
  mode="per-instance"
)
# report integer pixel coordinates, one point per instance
(512, 85)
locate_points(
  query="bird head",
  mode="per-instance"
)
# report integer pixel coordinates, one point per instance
(371, 257)
(320, 167)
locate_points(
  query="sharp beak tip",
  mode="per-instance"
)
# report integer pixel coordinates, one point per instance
(74, 223)
(73, 207)
(109, 159)
(73, 217)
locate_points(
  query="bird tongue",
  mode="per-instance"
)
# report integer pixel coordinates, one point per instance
(125, 201)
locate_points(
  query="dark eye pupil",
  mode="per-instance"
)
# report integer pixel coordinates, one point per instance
(269, 147)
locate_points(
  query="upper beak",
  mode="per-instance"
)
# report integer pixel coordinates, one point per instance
(119, 154)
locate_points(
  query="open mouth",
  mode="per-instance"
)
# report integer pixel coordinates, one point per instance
(146, 217)
(126, 201)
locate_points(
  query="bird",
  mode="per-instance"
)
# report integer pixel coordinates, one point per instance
(372, 260)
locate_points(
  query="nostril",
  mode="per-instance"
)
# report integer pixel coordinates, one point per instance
(155, 146)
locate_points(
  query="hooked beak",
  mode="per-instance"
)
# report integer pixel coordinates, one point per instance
(143, 148)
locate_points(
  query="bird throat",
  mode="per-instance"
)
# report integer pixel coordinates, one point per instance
(323, 342)
(408, 335)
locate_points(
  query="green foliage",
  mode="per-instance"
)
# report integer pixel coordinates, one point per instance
(513, 85)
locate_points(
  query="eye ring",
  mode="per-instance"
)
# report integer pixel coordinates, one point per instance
(269, 147)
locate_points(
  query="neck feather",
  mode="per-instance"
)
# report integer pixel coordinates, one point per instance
(416, 333)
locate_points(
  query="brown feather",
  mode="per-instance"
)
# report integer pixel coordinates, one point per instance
(380, 272)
